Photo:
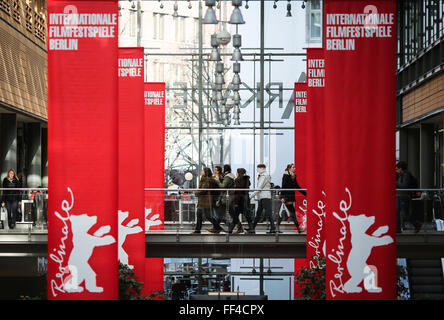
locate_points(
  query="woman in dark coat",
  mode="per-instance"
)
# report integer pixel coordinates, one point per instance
(11, 199)
(288, 197)
(242, 199)
(206, 199)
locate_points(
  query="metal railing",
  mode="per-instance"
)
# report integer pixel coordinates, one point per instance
(176, 208)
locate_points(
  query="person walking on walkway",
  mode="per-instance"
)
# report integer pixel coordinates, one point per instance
(205, 200)
(288, 198)
(226, 198)
(264, 197)
(241, 199)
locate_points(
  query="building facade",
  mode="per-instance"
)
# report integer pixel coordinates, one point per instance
(420, 89)
(23, 90)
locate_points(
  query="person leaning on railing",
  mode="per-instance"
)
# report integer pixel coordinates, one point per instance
(11, 199)
(205, 202)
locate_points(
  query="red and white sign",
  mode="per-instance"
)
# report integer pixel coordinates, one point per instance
(82, 163)
(316, 204)
(131, 177)
(360, 54)
(300, 149)
(300, 162)
(154, 100)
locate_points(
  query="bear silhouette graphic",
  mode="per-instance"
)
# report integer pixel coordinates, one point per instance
(153, 220)
(362, 245)
(125, 230)
(83, 247)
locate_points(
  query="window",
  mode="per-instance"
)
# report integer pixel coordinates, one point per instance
(314, 21)
(132, 23)
(155, 24)
(158, 26)
(161, 26)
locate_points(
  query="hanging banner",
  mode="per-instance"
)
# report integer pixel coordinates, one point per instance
(300, 163)
(131, 201)
(154, 99)
(316, 204)
(360, 54)
(300, 149)
(82, 153)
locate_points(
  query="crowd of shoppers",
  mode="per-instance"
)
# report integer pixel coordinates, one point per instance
(226, 206)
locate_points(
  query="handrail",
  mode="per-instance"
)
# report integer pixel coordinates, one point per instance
(219, 189)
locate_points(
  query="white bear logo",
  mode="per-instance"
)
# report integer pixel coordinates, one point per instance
(152, 221)
(362, 245)
(125, 230)
(83, 246)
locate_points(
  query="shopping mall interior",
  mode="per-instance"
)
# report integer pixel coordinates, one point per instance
(255, 61)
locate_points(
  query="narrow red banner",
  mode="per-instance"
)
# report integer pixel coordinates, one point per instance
(131, 201)
(316, 204)
(360, 54)
(300, 163)
(82, 153)
(154, 99)
(300, 149)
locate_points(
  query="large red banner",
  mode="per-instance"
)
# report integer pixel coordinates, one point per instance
(154, 95)
(82, 153)
(360, 102)
(316, 203)
(131, 201)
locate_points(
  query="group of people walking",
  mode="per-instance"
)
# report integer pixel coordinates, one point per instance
(213, 204)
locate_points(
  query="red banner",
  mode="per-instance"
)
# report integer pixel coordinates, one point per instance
(300, 163)
(316, 204)
(82, 155)
(154, 95)
(131, 201)
(300, 149)
(360, 55)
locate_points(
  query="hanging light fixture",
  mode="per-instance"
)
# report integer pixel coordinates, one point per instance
(236, 16)
(236, 79)
(214, 56)
(288, 9)
(189, 4)
(303, 4)
(175, 7)
(236, 115)
(210, 15)
(246, 5)
(274, 4)
(237, 42)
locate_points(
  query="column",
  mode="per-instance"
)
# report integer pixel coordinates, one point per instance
(34, 159)
(427, 153)
(8, 143)
(44, 157)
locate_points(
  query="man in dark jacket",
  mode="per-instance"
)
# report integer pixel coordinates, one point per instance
(227, 197)
(288, 198)
(242, 199)
(404, 180)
